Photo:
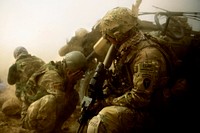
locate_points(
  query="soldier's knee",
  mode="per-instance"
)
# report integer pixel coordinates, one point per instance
(96, 126)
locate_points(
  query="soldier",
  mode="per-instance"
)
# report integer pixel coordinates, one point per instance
(24, 66)
(142, 72)
(19, 73)
(51, 94)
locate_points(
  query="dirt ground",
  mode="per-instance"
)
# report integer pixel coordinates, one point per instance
(11, 124)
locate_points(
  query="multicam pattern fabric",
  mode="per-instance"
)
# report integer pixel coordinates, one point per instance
(145, 64)
(21, 71)
(53, 106)
(117, 22)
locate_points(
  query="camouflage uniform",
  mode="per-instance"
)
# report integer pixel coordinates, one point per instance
(19, 73)
(51, 101)
(23, 68)
(141, 70)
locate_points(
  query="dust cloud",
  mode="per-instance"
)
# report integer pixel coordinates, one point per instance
(44, 26)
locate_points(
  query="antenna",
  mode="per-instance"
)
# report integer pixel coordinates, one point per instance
(160, 8)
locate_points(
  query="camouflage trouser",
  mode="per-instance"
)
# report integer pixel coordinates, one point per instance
(48, 113)
(116, 119)
(24, 105)
(41, 115)
(18, 93)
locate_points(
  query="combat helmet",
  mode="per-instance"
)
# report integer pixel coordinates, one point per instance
(81, 32)
(19, 51)
(75, 60)
(117, 22)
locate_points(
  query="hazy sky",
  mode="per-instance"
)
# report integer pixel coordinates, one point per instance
(43, 26)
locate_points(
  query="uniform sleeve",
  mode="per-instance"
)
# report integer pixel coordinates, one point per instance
(148, 67)
(52, 82)
(12, 75)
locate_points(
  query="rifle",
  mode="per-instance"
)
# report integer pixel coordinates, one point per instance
(95, 93)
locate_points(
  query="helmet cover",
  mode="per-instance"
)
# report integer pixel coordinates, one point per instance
(117, 22)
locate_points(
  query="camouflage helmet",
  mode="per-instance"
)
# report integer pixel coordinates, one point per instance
(19, 51)
(117, 22)
(75, 60)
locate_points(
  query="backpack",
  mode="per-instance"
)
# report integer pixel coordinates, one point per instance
(180, 107)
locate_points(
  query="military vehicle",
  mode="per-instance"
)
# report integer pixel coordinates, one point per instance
(173, 24)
